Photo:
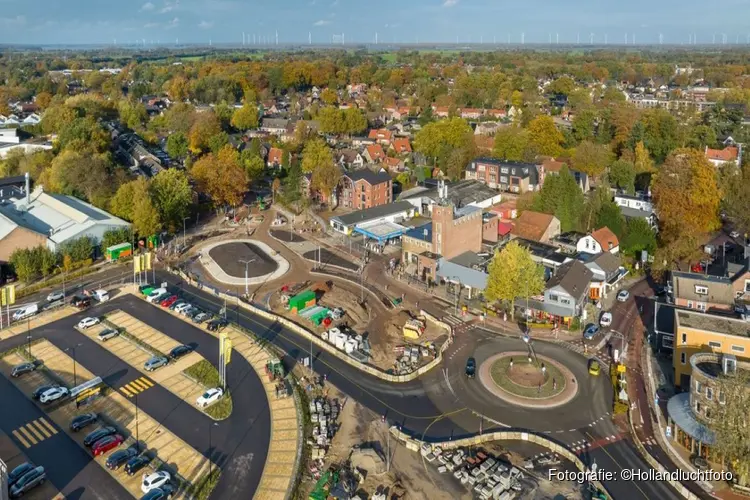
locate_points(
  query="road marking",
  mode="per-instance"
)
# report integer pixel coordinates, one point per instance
(22, 439)
(139, 385)
(28, 435)
(445, 374)
(125, 390)
(572, 430)
(41, 428)
(49, 426)
(38, 435)
(146, 381)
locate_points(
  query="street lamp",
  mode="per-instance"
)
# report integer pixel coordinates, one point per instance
(247, 285)
(28, 335)
(184, 239)
(210, 461)
(73, 350)
(63, 277)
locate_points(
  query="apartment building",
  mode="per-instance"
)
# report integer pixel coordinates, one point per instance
(512, 177)
(364, 188)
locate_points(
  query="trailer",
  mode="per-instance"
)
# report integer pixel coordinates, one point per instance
(302, 301)
(116, 252)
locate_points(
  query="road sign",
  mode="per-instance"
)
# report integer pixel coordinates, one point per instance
(668, 431)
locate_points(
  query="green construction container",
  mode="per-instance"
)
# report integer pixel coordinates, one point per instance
(318, 317)
(302, 301)
(117, 251)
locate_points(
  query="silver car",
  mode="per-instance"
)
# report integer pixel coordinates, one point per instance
(155, 362)
(107, 334)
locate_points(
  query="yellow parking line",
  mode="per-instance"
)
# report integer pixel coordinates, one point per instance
(41, 428)
(21, 438)
(49, 426)
(126, 391)
(28, 435)
(146, 381)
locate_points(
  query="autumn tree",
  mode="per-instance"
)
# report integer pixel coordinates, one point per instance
(221, 176)
(622, 175)
(643, 163)
(325, 178)
(584, 124)
(132, 202)
(275, 187)
(735, 185)
(178, 88)
(591, 159)
(132, 114)
(659, 131)
(205, 127)
(180, 117)
(545, 137)
(729, 421)
(315, 154)
(450, 143)
(172, 196)
(511, 143)
(686, 197)
(512, 275)
(83, 175)
(562, 197)
(329, 96)
(246, 117)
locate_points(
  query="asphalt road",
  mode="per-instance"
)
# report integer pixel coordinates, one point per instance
(327, 257)
(239, 444)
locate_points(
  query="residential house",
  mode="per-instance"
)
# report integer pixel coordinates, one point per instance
(487, 129)
(497, 113)
(32, 119)
(349, 158)
(382, 136)
(565, 295)
(362, 141)
(364, 188)
(601, 240)
(513, 177)
(275, 157)
(536, 226)
(550, 166)
(718, 294)
(313, 194)
(633, 207)
(607, 273)
(441, 111)
(471, 113)
(394, 164)
(507, 209)
(401, 145)
(730, 154)
(374, 153)
(274, 126)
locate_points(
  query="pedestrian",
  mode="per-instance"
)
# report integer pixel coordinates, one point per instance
(544, 369)
(554, 384)
(511, 362)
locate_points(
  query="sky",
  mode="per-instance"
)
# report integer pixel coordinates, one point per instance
(395, 21)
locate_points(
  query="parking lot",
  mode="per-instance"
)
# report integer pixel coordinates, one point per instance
(13, 456)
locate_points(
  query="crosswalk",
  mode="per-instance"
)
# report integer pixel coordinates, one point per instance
(452, 320)
(602, 355)
(34, 432)
(136, 386)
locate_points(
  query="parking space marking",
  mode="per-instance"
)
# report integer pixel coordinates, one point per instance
(34, 432)
(21, 439)
(136, 386)
(41, 429)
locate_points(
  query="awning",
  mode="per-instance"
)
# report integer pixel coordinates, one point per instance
(539, 305)
(682, 415)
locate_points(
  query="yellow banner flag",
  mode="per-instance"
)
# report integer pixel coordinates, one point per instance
(3, 296)
(11, 294)
(137, 266)
(227, 351)
(148, 261)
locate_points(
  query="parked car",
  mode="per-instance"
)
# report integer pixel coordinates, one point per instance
(180, 351)
(28, 482)
(594, 368)
(155, 480)
(156, 294)
(101, 295)
(19, 370)
(164, 491)
(19, 472)
(82, 421)
(87, 322)
(107, 334)
(700, 463)
(210, 396)
(106, 443)
(154, 363)
(176, 304)
(81, 302)
(135, 464)
(623, 296)
(217, 324)
(118, 458)
(169, 301)
(471, 367)
(200, 317)
(146, 289)
(53, 394)
(55, 296)
(183, 307)
(606, 319)
(590, 331)
(98, 434)
(193, 312)
(41, 390)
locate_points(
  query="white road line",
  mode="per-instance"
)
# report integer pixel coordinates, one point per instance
(572, 430)
(445, 373)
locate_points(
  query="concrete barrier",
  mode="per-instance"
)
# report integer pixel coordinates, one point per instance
(415, 444)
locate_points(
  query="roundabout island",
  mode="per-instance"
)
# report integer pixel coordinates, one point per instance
(240, 262)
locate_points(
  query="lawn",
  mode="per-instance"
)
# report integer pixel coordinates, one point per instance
(499, 374)
(207, 375)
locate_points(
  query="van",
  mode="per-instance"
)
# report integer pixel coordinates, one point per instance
(101, 295)
(155, 294)
(25, 312)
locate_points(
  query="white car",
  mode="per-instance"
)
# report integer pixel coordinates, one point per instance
(623, 296)
(87, 322)
(210, 396)
(55, 296)
(734, 234)
(606, 319)
(154, 480)
(53, 394)
(182, 307)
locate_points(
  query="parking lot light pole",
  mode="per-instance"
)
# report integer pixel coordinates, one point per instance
(247, 284)
(210, 461)
(73, 350)
(137, 439)
(28, 335)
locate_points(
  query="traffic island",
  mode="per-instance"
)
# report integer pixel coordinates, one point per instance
(242, 262)
(537, 383)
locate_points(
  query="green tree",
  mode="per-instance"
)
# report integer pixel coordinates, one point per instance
(83, 175)
(584, 124)
(325, 178)
(246, 117)
(661, 134)
(513, 274)
(116, 236)
(78, 250)
(563, 85)
(217, 141)
(545, 137)
(562, 197)
(329, 96)
(122, 203)
(729, 422)
(133, 202)
(511, 143)
(254, 165)
(24, 264)
(622, 175)
(735, 187)
(315, 154)
(179, 117)
(591, 159)
(426, 116)
(610, 216)
(177, 146)
(132, 115)
(172, 195)
(354, 120)
(292, 182)
(638, 237)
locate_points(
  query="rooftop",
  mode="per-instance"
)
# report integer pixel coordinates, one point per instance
(460, 193)
(712, 323)
(423, 232)
(370, 214)
(369, 176)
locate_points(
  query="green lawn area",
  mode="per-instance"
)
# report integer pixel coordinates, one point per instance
(207, 375)
(499, 374)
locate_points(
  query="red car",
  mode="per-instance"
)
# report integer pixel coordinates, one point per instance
(169, 301)
(105, 444)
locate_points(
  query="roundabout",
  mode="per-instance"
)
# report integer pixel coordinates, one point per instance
(538, 382)
(240, 262)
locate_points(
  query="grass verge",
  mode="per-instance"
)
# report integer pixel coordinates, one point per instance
(206, 374)
(203, 488)
(135, 340)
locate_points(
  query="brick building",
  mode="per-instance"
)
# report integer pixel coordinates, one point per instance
(508, 176)
(364, 188)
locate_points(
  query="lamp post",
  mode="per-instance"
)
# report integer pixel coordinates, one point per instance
(63, 277)
(247, 284)
(210, 462)
(137, 438)
(184, 239)
(73, 350)
(28, 336)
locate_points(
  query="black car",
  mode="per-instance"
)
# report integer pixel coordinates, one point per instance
(19, 370)
(118, 458)
(95, 436)
(471, 367)
(81, 302)
(19, 472)
(164, 491)
(180, 351)
(82, 421)
(41, 390)
(28, 481)
(217, 324)
(135, 464)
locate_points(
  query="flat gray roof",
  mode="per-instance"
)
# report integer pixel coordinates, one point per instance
(713, 323)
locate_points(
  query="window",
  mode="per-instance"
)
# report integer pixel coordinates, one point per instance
(698, 407)
(690, 304)
(504, 170)
(684, 338)
(701, 306)
(709, 394)
(553, 298)
(721, 398)
(698, 386)
(682, 358)
(738, 348)
(715, 345)
(747, 286)
(701, 290)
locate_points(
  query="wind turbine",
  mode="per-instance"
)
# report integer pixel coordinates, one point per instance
(661, 38)
(523, 38)
(591, 39)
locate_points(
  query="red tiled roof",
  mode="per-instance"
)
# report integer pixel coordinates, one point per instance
(729, 153)
(503, 228)
(376, 152)
(401, 145)
(379, 134)
(275, 155)
(552, 165)
(532, 225)
(606, 238)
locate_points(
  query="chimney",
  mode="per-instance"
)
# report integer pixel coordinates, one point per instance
(28, 188)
